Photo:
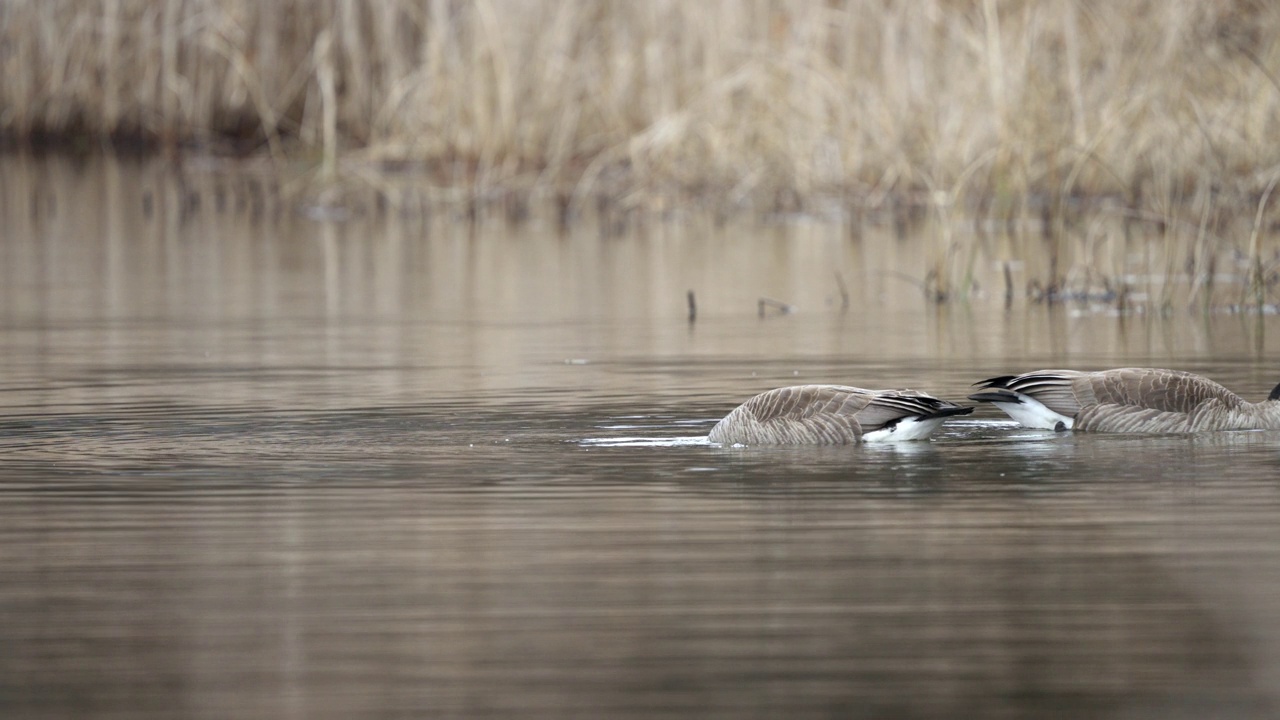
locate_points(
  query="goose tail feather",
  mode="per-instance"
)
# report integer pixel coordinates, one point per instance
(996, 395)
(948, 412)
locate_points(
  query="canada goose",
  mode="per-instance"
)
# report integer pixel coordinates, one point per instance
(1126, 400)
(833, 415)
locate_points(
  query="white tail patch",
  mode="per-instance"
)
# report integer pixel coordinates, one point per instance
(905, 429)
(1033, 414)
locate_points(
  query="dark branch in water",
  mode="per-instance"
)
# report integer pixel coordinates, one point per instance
(844, 293)
(778, 305)
(693, 306)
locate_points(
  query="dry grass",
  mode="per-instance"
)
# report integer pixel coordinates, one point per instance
(1002, 101)
(1019, 112)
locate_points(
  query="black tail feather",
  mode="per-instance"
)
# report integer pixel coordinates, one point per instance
(1275, 394)
(996, 395)
(996, 382)
(949, 411)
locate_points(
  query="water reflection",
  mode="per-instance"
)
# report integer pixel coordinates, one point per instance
(326, 566)
(253, 465)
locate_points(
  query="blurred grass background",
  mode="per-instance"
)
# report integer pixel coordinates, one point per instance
(1004, 105)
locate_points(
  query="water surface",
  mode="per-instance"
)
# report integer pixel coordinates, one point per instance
(254, 464)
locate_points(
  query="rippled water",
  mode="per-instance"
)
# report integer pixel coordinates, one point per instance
(255, 465)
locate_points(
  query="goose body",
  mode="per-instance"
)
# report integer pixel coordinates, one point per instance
(1143, 400)
(833, 415)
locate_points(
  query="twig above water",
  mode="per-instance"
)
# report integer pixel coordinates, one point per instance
(783, 308)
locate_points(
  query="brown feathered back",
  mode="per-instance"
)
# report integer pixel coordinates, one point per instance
(823, 415)
(1163, 390)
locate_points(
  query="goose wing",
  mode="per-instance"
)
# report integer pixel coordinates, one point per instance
(817, 414)
(1171, 391)
(822, 414)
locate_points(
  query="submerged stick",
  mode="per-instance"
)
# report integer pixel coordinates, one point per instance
(693, 306)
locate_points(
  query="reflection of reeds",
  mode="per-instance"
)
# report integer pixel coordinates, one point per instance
(770, 99)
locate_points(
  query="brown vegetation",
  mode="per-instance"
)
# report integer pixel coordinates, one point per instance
(1017, 112)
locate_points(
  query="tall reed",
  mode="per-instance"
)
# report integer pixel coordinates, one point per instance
(1007, 105)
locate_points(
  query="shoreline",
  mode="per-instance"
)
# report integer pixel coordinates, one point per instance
(773, 105)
